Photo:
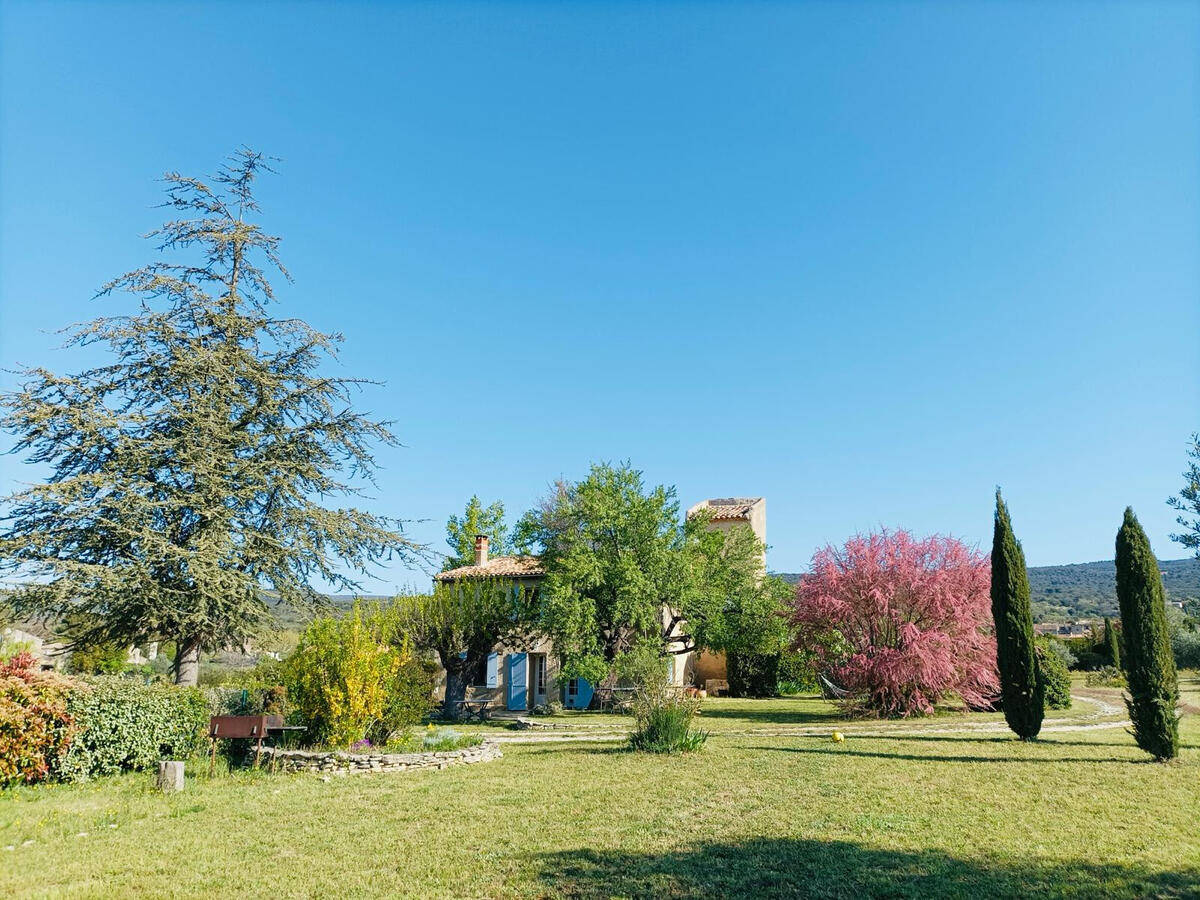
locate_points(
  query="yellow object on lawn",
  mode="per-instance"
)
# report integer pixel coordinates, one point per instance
(838, 737)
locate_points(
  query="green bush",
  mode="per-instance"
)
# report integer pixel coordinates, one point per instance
(1056, 679)
(441, 739)
(1185, 645)
(122, 725)
(664, 723)
(100, 659)
(1062, 651)
(35, 726)
(1106, 676)
(753, 674)
(797, 673)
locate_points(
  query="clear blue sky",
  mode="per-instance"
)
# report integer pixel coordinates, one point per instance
(867, 260)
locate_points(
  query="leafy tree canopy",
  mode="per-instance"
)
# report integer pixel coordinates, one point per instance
(623, 569)
(476, 519)
(463, 621)
(737, 607)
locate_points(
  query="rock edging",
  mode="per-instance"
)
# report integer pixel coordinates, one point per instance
(522, 724)
(339, 762)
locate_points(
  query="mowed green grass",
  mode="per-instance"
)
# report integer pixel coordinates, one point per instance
(909, 814)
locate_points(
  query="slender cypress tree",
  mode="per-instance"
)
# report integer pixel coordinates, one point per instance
(1149, 665)
(1111, 648)
(1021, 688)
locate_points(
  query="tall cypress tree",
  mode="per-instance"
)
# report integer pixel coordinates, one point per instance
(1111, 648)
(1021, 688)
(1149, 665)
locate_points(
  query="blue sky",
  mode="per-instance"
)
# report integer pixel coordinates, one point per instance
(866, 260)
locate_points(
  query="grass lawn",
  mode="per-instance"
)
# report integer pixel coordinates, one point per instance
(921, 811)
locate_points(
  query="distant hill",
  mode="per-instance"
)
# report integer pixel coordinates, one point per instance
(291, 619)
(1089, 590)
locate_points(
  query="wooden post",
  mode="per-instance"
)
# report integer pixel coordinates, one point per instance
(170, 776)
(212, 762)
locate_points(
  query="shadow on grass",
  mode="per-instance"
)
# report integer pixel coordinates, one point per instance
(773, 716)
(844, 750)
(791, 867)
(1045, 740)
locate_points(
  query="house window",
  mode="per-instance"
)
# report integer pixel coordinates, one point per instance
(572, 691)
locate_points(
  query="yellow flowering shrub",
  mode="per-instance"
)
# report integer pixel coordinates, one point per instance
(353, 679)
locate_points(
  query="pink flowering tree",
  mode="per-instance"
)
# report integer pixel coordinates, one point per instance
(900, 623)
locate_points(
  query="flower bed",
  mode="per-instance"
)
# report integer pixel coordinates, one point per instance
(339, 762)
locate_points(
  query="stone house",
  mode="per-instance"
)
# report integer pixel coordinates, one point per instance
(516, 678)
(523, 677)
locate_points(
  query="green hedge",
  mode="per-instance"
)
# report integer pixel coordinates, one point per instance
(752, 674)
(122, 725)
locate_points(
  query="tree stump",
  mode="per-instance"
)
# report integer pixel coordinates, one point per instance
(170, 776)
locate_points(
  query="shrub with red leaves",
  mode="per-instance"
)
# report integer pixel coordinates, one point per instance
(35, 728)
(914, 620)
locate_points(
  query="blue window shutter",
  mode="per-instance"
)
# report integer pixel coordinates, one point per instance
(493, 670)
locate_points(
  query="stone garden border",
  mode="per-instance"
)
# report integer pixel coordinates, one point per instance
(339, 762)
(523, 723)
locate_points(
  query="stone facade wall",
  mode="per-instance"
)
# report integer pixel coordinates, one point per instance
(338, 762)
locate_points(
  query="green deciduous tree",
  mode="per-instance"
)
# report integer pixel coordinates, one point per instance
(624, 569)
(1188, 500)
(476, 519)
(736, 608)
(1021, 688)
(617, 573)
(1149, 664)
(463, 621)
(190, 472)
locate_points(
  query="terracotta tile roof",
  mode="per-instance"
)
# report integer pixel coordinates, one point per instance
(498, 567)
(727, 507)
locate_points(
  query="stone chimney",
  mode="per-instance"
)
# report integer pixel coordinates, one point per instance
(481, 542)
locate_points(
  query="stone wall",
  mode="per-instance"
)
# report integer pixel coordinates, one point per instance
(337, 762)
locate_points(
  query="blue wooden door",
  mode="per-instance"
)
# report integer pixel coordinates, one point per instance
(517, 691)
